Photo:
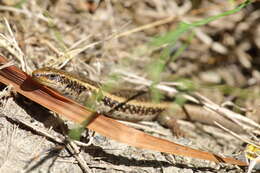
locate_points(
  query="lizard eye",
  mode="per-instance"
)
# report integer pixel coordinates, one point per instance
(36, 75)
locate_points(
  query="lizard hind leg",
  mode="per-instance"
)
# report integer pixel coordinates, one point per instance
(168, 120)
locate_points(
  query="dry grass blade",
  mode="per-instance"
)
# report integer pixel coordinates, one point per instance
(110, 128)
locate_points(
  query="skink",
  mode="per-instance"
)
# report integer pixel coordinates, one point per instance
(134, 110)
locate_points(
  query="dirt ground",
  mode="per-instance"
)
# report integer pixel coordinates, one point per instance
(223, 56)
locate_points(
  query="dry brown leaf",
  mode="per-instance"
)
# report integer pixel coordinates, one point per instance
(110, 128)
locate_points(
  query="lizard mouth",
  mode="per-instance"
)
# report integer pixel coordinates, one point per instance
(42, 80)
